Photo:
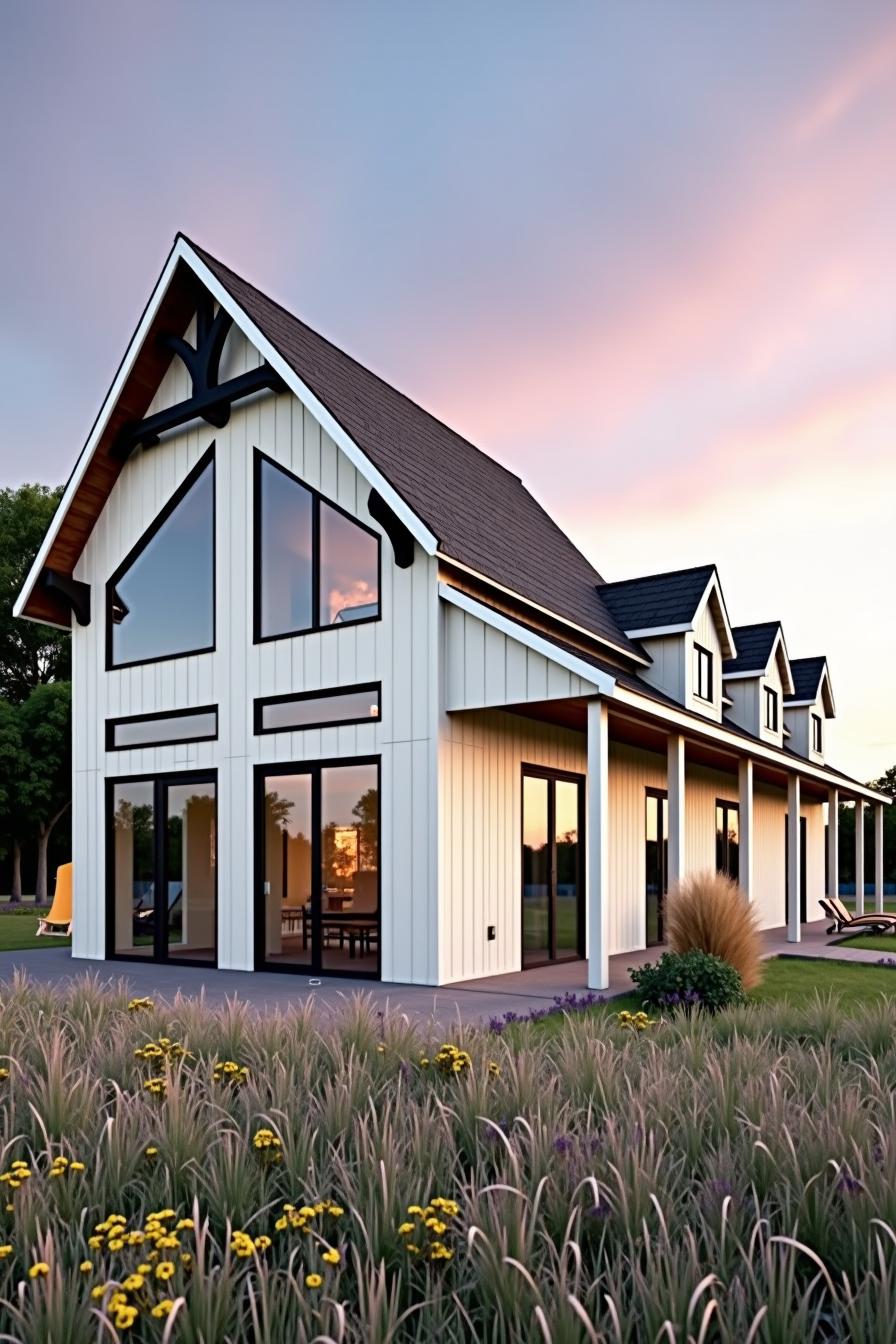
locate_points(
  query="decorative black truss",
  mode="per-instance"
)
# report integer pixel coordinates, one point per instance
(210, 401)
(74, 593)
(400, 537)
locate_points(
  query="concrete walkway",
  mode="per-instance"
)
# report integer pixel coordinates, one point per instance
(470, 1001)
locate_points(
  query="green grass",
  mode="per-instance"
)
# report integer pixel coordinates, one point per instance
(18, 931)
(873, 942)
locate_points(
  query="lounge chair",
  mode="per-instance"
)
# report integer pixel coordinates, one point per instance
(57, 923)
(844, 922)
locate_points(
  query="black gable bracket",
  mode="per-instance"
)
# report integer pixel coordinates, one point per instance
(74, 593)
(401, 539)
(210, 400)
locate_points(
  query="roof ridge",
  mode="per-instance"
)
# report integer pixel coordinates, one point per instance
(665, 574)
(757, 625)
(203, 252)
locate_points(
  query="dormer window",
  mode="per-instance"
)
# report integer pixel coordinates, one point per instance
(771, 709)
(816, 733)
(702, 672)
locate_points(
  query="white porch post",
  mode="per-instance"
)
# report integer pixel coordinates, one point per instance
(879, 857)
(860, 857)
(675, 790)
(793, 859)
(596, 855)
(833, 844)
(745, 852)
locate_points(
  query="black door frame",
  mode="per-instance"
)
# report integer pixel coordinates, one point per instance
(160, 781)
(544, 772)
(313, 966)
(727, 805)
(803, 885)
(662, 796)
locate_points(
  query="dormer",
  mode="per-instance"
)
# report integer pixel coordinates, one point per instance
(681, 622)
(808, 707)
(758, 680)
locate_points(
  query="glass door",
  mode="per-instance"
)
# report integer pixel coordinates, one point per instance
(162, 868)
(552, 867)
(318, 850)
(656, 866)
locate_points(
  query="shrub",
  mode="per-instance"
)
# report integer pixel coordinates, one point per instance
(710, 912)
(688, 980)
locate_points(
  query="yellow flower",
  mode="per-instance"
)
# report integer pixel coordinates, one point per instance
(184, 1224)
(144, 1269)
(164, 1270)
(116, 1244)
(133, 1283)
(125, 1316)
(494, 1069)
(151, 1152)
(39, 1270)
(332, 1256)
(262, 1243)
(414, 1208)
(4, 1074)
(86, 1266)
(242, 1245)
(306, 1212)
(282, 1224)
(163, 1308)
(186, 1259)
(137, 1005)
(77, 1166)
(313, 1280)
(5, 1251)
(337, 1210)
(406, 1229)
(99, 1291)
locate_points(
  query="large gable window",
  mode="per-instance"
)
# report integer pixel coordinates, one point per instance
(160, 602)
(315, 566)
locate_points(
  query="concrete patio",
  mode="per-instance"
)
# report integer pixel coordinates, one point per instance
(469, 1001)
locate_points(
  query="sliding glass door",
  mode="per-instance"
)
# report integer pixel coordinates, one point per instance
(552, 867)
(317, 844)
(656, 866)
(162, 868)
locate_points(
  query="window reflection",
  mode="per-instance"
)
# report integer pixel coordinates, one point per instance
(284, 553)
(349, 570)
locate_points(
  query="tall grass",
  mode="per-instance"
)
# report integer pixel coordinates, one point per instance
(728, 1180)
(708, 911)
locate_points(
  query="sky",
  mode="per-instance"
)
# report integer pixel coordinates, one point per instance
(644, 254)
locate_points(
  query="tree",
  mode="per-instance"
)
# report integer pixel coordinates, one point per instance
(30, 654)
(46, 751)
(847, 832)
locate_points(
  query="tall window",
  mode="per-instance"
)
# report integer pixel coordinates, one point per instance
(771, 709)
(314, 565)
(816, 733)
(728, 840)
(703, 672)
(160, 602)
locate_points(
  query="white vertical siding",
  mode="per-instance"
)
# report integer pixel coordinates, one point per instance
(400, 651)
(486, 668)
(667, 670)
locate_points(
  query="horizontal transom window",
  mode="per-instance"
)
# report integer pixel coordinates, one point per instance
(158, 730)
(318, 709)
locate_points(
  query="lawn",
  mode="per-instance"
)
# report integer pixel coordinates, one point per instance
(720, 1179)
(18, 931)
(885, 943)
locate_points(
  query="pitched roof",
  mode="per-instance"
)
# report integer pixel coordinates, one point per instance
(481, 513)
(754, 647)
(806, 677)
(657, 600)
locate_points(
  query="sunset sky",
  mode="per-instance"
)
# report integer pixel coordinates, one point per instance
(642, 253)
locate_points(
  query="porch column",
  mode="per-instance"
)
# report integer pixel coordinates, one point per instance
(745, 851)
(860, 857)
(833, 844)
(596, 855)
(675, 790)
(879, 857)
(793, 859)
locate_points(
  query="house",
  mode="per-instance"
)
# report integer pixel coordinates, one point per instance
(347, 699)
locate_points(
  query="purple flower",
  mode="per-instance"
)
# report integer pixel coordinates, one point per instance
(848, 1185)
(563, 1144)
(600, 1210)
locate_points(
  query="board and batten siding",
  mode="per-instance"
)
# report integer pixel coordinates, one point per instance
(400, 651)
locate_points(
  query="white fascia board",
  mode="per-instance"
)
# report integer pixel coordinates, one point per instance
(787, 678)
(740, 746)
(99, 425)
(729, 633)
(545, 611)
(415, 525)
(656, 631)
(601, 681)
(754, 674)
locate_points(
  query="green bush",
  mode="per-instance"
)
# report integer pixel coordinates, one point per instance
(688, 980)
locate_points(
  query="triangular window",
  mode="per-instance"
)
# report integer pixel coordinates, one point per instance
(160, 602)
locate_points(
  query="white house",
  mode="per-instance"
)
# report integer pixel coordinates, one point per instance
(347, 700)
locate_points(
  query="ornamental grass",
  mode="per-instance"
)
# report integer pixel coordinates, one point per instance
(709, 912)
(728, 1179)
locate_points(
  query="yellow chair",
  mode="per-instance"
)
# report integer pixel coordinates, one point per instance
(61, 910)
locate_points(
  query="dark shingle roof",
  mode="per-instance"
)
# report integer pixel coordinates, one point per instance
(754, 647)
(482, 514)
(806, 678)
(657, 599)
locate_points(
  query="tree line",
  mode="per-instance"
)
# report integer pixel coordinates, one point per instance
(35, 697)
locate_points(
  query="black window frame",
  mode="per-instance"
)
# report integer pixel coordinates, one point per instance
(726, 805)
(136, 550)
(327, 693)
(553, 777)
(159, 779)
(702, 653)
(317, 498)
(314, 769)
(654, 795)
(817, 734)
(771, 703)
(161, 716)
